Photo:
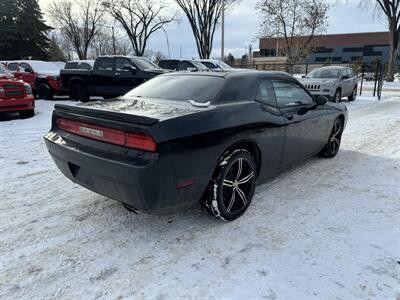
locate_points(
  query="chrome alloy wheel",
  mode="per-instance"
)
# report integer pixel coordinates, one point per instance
(237, 186)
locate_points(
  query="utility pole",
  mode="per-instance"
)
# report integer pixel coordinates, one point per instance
(113, 38)
(223, 31)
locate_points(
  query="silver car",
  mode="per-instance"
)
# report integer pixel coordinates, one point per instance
(332, 82)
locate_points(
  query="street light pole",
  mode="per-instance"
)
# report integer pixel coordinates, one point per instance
(166, 36)
(223, 31)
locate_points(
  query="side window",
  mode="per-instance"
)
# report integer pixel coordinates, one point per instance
(209, 64)
(24, 66)
(185, 65)
(85, 66)
(351, 73)
(265, 93)
(105, 64)
(13, 67)
(123, 65)
(71, 65)
(290, 94)
(345, 73)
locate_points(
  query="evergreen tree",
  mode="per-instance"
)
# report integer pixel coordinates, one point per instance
(8, 29)
(34, 39)
(55, 51)
(22, 30)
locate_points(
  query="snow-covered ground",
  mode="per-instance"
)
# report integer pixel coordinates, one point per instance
(326, 229)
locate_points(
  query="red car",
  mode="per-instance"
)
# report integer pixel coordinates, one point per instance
(15, 95)
(44, 77)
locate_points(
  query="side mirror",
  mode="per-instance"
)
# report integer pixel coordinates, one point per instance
(304, 76)
(28, 70)
(321, 100)
(344, 77)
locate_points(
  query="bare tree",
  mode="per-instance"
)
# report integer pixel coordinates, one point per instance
(391, 9)
(203, 17)
(140, 19)
(79, 22)
(296, 22)
(108, 42)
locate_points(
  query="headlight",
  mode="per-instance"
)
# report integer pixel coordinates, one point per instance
(1, 91)
(28, 89)
(330, 85)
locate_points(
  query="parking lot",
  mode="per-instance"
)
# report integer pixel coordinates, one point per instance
(326, 229)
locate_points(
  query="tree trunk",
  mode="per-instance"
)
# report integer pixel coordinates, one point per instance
(392, 64)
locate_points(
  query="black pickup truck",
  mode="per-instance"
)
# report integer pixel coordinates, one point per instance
(112, 76)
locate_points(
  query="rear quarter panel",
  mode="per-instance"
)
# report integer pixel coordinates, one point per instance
(196, 142)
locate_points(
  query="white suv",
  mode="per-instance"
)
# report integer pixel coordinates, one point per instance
(332, 82)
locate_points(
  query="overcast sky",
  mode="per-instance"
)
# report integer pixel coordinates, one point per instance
(242, 26)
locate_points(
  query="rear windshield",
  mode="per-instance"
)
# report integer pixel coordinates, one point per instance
(180, 88)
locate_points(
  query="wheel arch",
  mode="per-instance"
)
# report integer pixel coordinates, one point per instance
(41, 80)
(75, 80)
(249, 145)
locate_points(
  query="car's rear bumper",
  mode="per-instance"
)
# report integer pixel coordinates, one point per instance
(142, 180)
(17, 104)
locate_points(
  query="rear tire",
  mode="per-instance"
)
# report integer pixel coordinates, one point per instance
(338, 96)
(79, 92)
(331, 149)
(353, 95)
(44, 92)
(231, 189)
(26, 114)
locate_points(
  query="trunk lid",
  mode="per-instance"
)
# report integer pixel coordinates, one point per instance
(134, 110)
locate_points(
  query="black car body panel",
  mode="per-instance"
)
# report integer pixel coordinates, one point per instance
(112, 76)
(190, 141)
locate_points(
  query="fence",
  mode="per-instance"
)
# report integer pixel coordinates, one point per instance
(374, 72)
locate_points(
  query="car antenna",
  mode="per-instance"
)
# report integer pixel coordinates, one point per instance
(199, 104)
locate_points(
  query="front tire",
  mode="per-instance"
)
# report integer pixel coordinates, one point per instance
(44, 92)
(231, 189)
(338, 96)
(79, 92)
(331, 149)
(353, 95)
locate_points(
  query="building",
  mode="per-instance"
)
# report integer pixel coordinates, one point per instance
(337, 48)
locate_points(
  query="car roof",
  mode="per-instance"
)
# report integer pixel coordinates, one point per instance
(172, 59)
(240, 73)
(209, 60)
(334, 67)
(80, 61)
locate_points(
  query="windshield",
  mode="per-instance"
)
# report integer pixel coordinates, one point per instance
(199, 66)
(145, 64)
(325, 73)
(41, 66)
(4, 71)
(224, 65)
(180, 88)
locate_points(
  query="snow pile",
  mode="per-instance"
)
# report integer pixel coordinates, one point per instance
(326, 229)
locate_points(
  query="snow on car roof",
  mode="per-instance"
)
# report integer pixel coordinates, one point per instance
(41, 66)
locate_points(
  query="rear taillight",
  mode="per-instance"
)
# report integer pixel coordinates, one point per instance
(138, 141)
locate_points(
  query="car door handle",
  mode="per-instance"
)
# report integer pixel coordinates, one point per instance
(289, 116)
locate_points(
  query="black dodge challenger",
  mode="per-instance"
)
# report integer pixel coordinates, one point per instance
(182, 138)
